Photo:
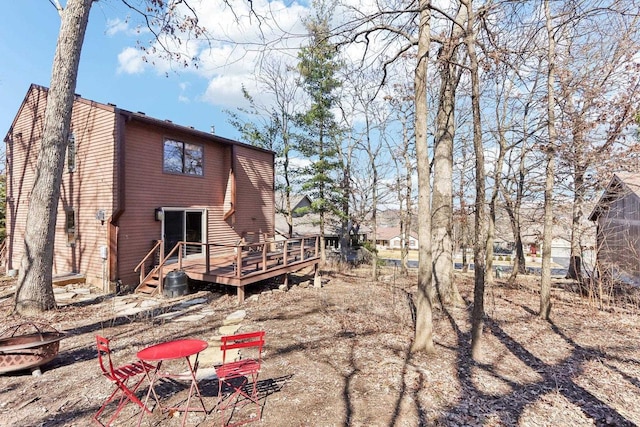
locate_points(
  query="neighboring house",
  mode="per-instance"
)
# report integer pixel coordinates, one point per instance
(617, 215)
(390, 238)
(306, 223)
(130, 180)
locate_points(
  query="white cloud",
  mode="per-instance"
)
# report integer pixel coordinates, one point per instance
(115, 26)
(119, 26)
(130, 61)
(239, 41)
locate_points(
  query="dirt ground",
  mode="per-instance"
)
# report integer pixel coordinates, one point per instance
(339, 356)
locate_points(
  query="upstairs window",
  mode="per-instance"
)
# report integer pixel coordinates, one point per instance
(71, 153)
(182, 157)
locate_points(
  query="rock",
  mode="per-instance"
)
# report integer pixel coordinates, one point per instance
(228, 329)
(235, 317)
(190, 318)
(283, 287)
(65, 295)
(149, 303)
(194, 301)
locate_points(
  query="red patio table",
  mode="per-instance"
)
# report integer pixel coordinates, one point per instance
(171, 350)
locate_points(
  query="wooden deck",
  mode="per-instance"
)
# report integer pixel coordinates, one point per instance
(241, 266)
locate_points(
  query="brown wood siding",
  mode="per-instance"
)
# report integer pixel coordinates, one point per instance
(147, 187)
(619, 236)
(255, 210)
(86, 190)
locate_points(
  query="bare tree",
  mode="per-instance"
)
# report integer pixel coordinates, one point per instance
(34, 292)
(545, 279)
(598, 84)
(271, 126)
(442, 209)
(403, 156)
(479, 245)
(424, 307)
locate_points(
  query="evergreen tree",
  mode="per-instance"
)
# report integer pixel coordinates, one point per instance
(318, 68)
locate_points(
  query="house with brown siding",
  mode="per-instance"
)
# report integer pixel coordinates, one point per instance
(130, 181)
(617, 215)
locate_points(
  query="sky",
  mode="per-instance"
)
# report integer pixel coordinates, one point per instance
(111, 69)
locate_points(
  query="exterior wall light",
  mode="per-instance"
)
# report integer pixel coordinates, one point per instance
(159, 214)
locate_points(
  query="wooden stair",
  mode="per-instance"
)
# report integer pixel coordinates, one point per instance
(150, 286)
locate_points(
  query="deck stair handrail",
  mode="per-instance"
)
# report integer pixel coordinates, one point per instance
(141, 265)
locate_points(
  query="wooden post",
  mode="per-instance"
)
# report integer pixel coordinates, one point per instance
(240, 294)
(207, 261)
(317, 283)
(238, 261)
(264, 256)
(285, 251)
(301, 249)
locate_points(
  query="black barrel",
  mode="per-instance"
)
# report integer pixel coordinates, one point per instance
(176, 284)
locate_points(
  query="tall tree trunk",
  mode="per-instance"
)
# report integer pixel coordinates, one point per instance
(479, 244)
(464, 216)
(497, 179)
(423, 340)
(575, 257)
(408, 205)
(287, 179)
(34, 292)
(441, 208)
(545, 279)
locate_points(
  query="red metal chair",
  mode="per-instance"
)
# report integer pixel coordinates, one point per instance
(120, 376)
(240, 377)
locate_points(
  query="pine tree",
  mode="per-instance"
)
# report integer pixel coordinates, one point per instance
(318, 68)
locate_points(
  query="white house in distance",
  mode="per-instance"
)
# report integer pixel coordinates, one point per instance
(390, 238)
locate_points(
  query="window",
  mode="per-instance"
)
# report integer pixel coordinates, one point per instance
(70, 226)
(182, 157)
(71, 152)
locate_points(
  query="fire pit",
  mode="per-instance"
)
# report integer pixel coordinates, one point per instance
(28, 346)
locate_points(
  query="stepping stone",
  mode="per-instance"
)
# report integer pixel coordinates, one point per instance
(170, 315)
(206, 373)
(235, 317)
(125, 307)
(124, 302)
(193, 302)
(149, 303)
(210, 356)
(82, 291)
(130, 311)
(228, 329)
(65, 296)
(190, 318)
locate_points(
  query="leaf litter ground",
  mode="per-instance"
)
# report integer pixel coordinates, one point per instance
(339, 356)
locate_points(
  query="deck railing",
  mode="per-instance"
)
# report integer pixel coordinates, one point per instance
(264, 255)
